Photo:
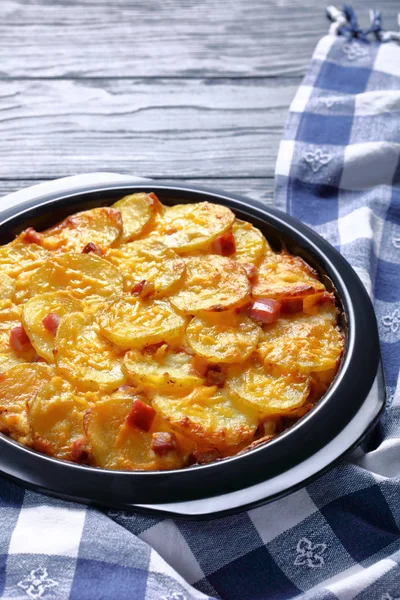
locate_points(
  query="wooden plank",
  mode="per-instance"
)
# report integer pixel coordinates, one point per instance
(259, 189)
(152, 128)
(121, 38)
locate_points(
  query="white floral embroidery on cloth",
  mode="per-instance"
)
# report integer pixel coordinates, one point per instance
(309, 555)
(392, 321)
(317, 159)
(354, 51)
(329, 102)
(37, 582)
(396, 242)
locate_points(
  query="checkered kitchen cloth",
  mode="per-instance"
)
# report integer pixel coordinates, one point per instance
(339, 171)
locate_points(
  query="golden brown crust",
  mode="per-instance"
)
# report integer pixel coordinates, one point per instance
(212, 283)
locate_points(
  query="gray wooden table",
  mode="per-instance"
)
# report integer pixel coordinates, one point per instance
(179, 89)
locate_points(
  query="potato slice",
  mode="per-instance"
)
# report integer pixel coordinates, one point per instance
(20, 261)
(17, 386)
(250, 243)
(148, 259)
(132, 323)
(302, 342)
(212, 283)
(189, 227)
(56, 414)
(138, 211)
(18, 257)
(84, 356)
(117, 445)
(266, 393)
(10, 316)
(84, 275)
(209, 415)
(223, 337)
(36, 309)
(283, 276)
(163, 369)
(101, 226)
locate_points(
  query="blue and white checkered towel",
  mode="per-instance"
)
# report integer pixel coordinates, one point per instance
(339, 171)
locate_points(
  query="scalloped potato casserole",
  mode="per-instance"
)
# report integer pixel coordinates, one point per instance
(148, 337)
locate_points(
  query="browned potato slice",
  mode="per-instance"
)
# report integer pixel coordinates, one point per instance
(163, 369)
(283, 276)
(100, 226)
(302, 342)
(266, 393)
(117, 445)
(84, 356)
(209, 415)
(10, 316)
(250, 243)
(84, 275)
(188, 227)
(36, 309)
(132, 323)
(56, 414)
(17, 386)
(212, 283)
(138, 211)
(148, 260)
(223, 337)
(20, 261)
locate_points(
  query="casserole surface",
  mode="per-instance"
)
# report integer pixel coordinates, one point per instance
(259, 464)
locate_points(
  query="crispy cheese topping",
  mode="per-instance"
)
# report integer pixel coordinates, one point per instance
(150, 337)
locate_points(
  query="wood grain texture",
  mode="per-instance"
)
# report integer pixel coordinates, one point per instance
(164, 38)
(260, 189)
(153, 128)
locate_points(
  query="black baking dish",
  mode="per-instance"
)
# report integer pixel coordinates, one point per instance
(346, 396)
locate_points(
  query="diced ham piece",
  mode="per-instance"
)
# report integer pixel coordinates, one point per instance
(78, 450)
(143, 289)
(31, 236)
(138, 288)
(224, 244)
(39, 359)
(292, 305)
(51, 322)
(215, 376)
(141, 415)
(265, 310)
(163, 442)
(19, 341)
(251, 271)
(203, 458)
(91, 247)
